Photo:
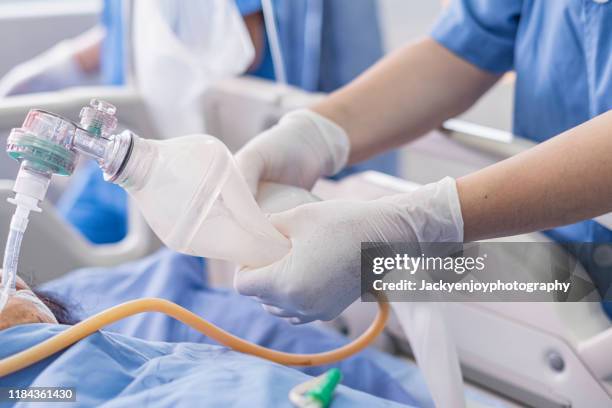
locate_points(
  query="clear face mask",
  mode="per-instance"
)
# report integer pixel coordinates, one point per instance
(28, 296)
(6, 291)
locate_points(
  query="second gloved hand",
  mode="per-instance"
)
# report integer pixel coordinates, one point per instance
(320, 276)
(300, 149)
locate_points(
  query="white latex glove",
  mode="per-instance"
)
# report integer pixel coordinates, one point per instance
(300, 149)
(57, 68)
(320, 276)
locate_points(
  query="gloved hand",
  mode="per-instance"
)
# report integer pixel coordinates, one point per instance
(320, 276)
(300, 149)
(55, 69)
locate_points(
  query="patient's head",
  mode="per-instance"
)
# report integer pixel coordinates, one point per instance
(33, 307)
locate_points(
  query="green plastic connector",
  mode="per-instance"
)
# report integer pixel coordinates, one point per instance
(324, 391)
(95, 128)
(43, 155)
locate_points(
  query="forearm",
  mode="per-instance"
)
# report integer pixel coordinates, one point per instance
(404, 96)
(87, 48)
(256, 28)
(564, 180)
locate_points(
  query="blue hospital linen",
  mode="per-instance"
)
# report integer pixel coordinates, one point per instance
(561, 52)
(181, 279)
(121, 371)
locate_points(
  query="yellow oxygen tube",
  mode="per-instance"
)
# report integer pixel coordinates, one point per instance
(89, 326)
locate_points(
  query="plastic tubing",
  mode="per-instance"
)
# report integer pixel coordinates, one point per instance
(278, 62)
(9, 265)
(11, 258)
(94, 323)
(30, 188)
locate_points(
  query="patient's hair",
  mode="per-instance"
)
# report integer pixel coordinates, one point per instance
(60, 309)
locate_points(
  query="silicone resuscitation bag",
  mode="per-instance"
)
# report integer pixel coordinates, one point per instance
(193, 196)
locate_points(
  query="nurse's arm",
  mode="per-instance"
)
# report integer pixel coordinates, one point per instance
(87, 49)
(404, 96)
(255, 26)
(564, 180)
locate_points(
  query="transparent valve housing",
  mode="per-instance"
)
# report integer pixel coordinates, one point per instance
(195, 199)
(45, 142)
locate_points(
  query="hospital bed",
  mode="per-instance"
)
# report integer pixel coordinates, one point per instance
(542, 355)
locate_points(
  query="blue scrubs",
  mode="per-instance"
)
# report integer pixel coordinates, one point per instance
(561, 51)
(325, 45)
(112, 61)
